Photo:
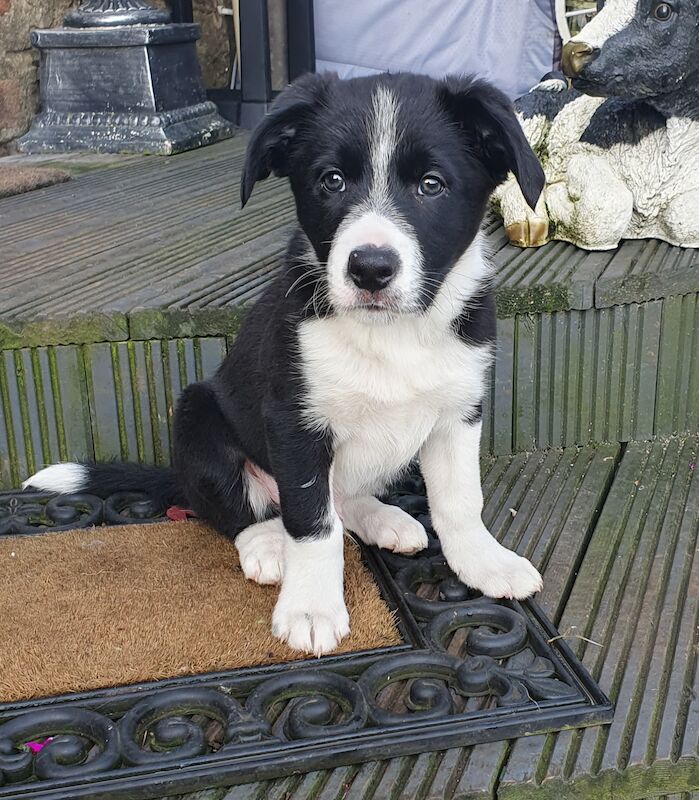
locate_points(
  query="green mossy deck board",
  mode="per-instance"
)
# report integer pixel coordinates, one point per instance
(648, 270)
(677, 408)
(637, 596)
(114, 253)
(561, 379)
(579, 376)
(133, 390)
(44, 414)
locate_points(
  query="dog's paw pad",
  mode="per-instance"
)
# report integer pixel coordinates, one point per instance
(261, 553)
(313, 632)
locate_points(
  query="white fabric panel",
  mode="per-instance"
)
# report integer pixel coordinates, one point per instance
(510, 42)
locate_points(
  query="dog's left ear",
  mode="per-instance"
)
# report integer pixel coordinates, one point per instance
(271, 141)
(488, 121)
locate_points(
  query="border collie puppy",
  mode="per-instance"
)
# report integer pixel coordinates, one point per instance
(371, 348)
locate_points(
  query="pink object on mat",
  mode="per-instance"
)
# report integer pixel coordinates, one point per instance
(35, 747)
(177, 514)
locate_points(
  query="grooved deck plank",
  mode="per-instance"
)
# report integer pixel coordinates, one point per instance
(678, 367)
(647, 270)
(556, 495)
(637, 597)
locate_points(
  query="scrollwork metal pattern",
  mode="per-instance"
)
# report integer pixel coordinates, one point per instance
(38, 512)
(469, 649)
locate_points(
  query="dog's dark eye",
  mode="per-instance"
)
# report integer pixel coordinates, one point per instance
(430, 186)
(333, 181)
(662, 11)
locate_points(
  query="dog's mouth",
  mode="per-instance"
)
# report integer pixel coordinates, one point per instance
(376, 302)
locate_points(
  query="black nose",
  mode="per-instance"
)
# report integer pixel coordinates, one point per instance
(372, 268)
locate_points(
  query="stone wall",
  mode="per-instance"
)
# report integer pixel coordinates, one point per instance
(19, 62)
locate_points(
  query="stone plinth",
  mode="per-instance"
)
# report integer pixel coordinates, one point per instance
(128, 88)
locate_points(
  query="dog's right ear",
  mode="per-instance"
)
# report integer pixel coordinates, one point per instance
(489, 125)
(271, 141)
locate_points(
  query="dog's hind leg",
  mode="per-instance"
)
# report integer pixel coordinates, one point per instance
(210, 464)
(383, 525)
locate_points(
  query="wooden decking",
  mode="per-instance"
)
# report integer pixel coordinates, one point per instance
(120, 286)
(159, 247)
(615, 535)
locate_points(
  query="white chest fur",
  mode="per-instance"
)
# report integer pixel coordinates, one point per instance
(380, 389)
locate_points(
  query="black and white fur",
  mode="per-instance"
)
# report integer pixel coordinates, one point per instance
(370, 349)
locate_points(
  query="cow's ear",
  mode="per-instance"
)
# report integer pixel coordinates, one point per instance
(272, 140)
(488, 122)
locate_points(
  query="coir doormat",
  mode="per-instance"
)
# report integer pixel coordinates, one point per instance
(20, 179)
(119, 605)
(463, 669)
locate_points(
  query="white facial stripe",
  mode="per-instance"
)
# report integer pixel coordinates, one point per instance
(383, 138)
(615, 16)
(375, 221)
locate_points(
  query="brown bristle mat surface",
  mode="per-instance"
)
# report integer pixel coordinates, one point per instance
(18, 179)
(110, 606)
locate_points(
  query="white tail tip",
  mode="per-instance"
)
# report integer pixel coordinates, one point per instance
(63, 478)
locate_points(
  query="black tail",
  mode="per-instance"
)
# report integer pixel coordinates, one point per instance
(105, 479)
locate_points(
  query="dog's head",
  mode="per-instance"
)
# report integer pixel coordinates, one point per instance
(391, 176)
(637, 49)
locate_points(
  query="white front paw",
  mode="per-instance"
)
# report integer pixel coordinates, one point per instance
(261, 551)
(482, 563)
(309, 622)
(391, 528)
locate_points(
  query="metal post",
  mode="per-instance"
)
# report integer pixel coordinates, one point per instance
(300, 37)
(181, 10)
(255, 69)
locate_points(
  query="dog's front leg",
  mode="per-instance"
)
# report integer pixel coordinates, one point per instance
(310, 614)
(450, 466)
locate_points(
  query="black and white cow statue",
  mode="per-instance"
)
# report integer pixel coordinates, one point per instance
(621, 148)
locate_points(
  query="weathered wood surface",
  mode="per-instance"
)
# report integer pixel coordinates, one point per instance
(637, 596)
(556, 496)
(617, 542)
(160, 248)
(159, 253)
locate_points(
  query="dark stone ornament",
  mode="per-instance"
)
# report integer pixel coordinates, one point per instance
(470, 669)
(120, 78)
(95, 13)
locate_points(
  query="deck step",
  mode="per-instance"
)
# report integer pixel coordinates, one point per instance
(116, 241)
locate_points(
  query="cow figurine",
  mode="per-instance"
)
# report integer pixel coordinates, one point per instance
(621, 148)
